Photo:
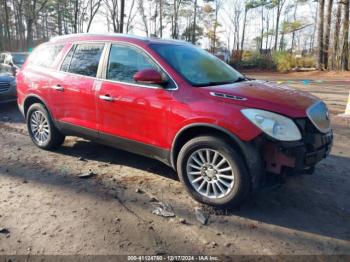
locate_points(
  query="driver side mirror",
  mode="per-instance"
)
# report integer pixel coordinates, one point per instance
(149, 76)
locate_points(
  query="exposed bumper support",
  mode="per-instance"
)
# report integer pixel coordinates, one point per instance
(264, 155)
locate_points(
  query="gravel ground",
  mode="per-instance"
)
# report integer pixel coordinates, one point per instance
(45, 208)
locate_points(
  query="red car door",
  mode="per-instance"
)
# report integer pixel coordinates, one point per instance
(128, 110)
(73, 86)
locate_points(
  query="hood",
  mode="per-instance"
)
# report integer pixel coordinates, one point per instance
(265, 95)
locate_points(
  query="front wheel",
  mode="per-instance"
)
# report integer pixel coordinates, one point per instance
(41, 129)
(213, 172)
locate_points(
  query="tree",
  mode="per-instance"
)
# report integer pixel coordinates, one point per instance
(320, 25)
(290, 27)
(187, 34)
(59, 16)
(218, 4)
(122, 8)
(76, 11)
(327, 32)
(336, 30)
(7, 24)
(161, 18)
(177, 4)
(194, 25)
(131, 16)
(296, 5)
(212, 12)
(94, 6)
(234, 16)
(246, 9)
(345, 50)
(142, 12)
(112, 12)
(253, 4)
(32, 11)
(278, 4)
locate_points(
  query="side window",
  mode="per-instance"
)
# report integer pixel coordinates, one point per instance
(45, 55)
(83, 59)
(125, 61)
(67, 59)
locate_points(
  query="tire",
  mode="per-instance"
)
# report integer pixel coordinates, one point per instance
(236, 190)
(49, 137)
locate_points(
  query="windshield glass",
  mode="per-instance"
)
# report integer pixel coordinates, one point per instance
(197, 66)
(19, 59)
(5, 70)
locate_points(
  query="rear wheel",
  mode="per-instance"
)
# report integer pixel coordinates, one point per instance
(213, 172)
(41, 129)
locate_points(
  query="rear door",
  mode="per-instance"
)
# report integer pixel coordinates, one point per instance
(73, 87)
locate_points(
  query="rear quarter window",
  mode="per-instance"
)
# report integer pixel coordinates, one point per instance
(45, 55)
(83, 59)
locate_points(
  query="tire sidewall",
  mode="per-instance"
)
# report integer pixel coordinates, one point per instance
(240, 188)
(41, 108)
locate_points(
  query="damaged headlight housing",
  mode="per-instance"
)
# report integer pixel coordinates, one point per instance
(275, 125)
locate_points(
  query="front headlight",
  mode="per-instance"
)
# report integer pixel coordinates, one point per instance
(275, 125)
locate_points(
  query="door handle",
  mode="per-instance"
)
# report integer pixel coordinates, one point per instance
(107, 98)
(57, 87)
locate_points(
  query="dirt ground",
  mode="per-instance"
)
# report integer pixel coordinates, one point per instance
(47, 209)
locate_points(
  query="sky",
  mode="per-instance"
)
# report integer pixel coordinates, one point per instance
(306, 13)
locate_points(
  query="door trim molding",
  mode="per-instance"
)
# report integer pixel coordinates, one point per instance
(158, 153)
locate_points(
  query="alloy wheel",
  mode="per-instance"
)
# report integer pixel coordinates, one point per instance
(39, 127)
(210, 173)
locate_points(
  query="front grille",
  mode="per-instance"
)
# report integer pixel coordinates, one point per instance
(317, 145)
(4, 86)
(312, 137)
(319, 116)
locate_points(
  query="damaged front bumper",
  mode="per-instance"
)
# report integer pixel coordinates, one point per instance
(269, 156)
(296, 157)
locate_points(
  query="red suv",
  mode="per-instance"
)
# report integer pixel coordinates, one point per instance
(174, 102)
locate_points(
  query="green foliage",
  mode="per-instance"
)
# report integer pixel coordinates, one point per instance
(306, 62)
(281, 61)
(255, 60)
(187, 33)
(285, 61)
(290, 27)
(251, 4)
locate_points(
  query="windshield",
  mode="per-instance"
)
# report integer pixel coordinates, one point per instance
(197, 66)
(19, 59)
(5, 70)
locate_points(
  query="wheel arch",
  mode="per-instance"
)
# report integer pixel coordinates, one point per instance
(249, 152)
(32, 99)
(190, 131)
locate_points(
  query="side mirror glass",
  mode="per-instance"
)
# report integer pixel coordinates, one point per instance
(149, 76)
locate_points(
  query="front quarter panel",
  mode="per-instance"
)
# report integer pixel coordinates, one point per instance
(193, 105)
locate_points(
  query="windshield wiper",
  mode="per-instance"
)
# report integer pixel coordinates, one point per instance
(216, 83)
(240, 79)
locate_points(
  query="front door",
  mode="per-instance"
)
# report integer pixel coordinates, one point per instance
(129, 111)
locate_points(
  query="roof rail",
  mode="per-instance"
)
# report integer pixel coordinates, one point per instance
(141, 38)
(61, 37)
